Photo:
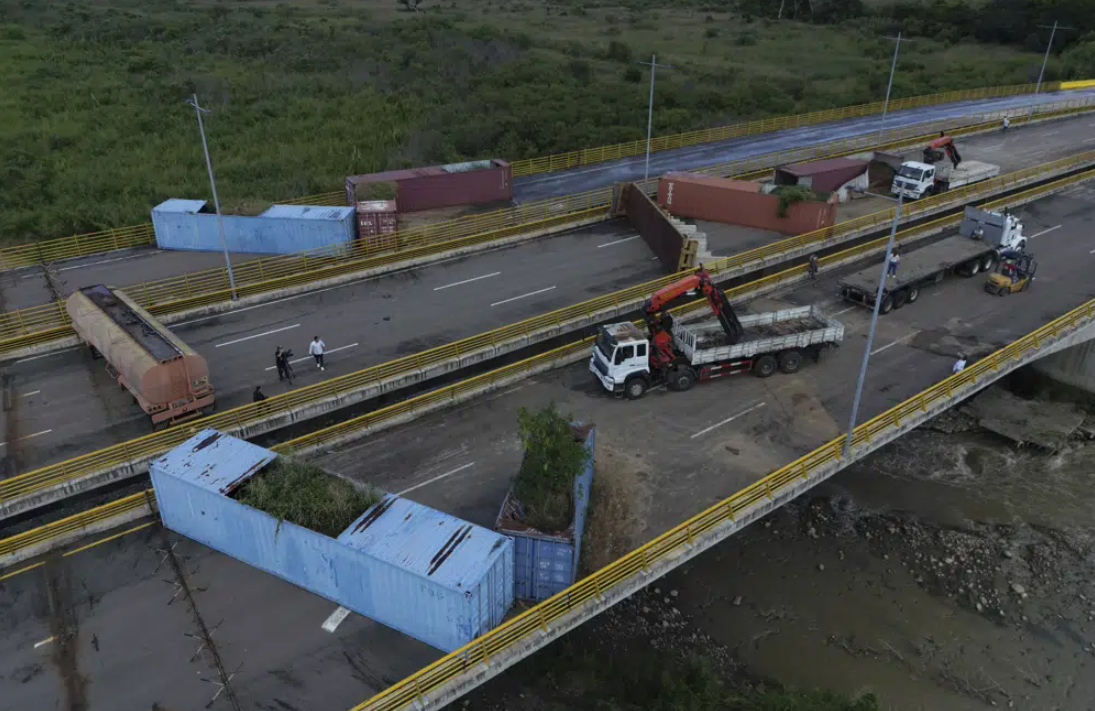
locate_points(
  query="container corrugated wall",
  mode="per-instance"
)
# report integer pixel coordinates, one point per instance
(265, 234)
(440, 616)
(544, 565)
(469, 187)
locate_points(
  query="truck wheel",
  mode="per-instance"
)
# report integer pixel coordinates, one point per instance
(886, 306)
(1022, 245)
(986, 262)
(764, 366)
(914, 294)
(790, 361)
(682, 380)
(635, 388)
(973, 267)
(900, 298)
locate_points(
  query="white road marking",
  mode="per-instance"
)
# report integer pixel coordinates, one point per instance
(45, 355)
(891, 345)
(326, 352)
(1046, 231)
(92, 264)
(439, 477)
(336, 619)
(1088, 140)
(468, 281)
(705, 430)
(257, 335)
(992, 148)
(619, 241)
(45, 641)
(33, 392)
(522, 296)
(30, 436)
(850, 308)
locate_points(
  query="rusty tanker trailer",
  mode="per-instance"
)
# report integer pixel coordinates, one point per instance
(167, 378)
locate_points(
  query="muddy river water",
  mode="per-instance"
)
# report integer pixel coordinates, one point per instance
(947, 571)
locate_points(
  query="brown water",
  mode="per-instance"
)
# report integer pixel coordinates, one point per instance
(944, 572)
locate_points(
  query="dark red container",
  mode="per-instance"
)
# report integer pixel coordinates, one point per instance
(376, 217)
(442, 186)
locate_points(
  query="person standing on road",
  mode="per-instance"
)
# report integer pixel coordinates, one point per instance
(1007, 123)
(891, 266)
(257, 396)
(316, 348)
(282, 363)
(813, 267)
(959, 365)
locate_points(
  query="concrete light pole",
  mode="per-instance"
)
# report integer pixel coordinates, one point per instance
(216, 201)
(874, 321)
(889, 87)
(653, 64)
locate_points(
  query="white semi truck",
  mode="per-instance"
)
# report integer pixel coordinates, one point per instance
(915, 180)
(627, 361)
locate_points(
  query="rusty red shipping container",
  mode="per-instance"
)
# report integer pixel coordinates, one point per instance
(736, 202)
(825, 175)
(442, 186)
(376, 217)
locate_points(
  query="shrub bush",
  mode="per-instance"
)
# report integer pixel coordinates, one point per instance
(553, 457)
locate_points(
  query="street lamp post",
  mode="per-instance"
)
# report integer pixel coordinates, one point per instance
(874, 321)
(216, 201)
(889, 87)
(653, 64)
(1045, 60)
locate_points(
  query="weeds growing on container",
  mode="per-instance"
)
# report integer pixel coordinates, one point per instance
(302, 493)
(553, 457)
(790, 194)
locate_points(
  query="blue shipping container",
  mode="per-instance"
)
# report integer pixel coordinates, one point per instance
(545, 564)
(282, 229)
(429, 575)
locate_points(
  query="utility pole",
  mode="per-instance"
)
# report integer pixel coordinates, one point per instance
(1053, 32)
(216, 201)
(889, 87)
(653, 64)
(874, 321)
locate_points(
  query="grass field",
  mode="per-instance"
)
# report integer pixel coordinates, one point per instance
(94, 130)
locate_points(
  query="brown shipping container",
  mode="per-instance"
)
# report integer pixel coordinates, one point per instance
(442, 186)
(376, 217)
(663, 238)
(736, 202)
(825, 175)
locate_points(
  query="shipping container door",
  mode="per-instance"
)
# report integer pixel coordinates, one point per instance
(554, 568)
(524, 567)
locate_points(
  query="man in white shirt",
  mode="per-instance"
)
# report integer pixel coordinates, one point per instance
(316, 349)
(959, 365)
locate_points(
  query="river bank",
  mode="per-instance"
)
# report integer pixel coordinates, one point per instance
(954, 569)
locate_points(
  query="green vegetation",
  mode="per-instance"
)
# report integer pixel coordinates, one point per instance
(302, 493)
(637, 678)
(790, 194)
(94, 130)
(553, 457)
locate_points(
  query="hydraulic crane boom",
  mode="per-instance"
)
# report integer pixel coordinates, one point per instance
(657, 317)
(933, 153)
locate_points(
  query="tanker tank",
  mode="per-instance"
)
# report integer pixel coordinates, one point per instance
(167, 378)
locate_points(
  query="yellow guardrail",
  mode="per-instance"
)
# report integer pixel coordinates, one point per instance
(70, 524)
(534, 621)
(585, 156)
(139, 235)
(46, 322)
(1083, 84)
(239, 417)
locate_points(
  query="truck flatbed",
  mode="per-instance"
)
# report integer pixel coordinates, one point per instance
(770, 332)
(917, 266)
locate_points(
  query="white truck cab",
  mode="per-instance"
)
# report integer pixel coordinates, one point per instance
(620, 351)
(1001, 230)
(913, 180)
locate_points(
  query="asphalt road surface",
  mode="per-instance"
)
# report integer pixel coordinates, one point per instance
(104, 628)
(27, 287)
(65, 404)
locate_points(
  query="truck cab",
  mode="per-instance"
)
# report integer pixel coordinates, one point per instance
(913, 180)
(997, 229)
(621, 353)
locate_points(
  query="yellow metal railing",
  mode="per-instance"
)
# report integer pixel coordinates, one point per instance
(47, 322)
(585, 156)
(74, 523)
(138, 235)
(239, 417)
(624, 570)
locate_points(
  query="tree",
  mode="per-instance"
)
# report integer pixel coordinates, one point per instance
(553, 457)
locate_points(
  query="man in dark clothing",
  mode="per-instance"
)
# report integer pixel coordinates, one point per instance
(257, 396)
(813, 266)
(281, 360)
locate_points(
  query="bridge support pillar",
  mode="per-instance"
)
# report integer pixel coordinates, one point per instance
(1073, 366)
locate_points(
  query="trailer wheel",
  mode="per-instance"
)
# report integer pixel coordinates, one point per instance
(900, 299)
(765, 366)
(886, 306)
(682, 379)
(635, 388)
(987, 261)
(973, 267)
(790, 361)
(914, 294)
